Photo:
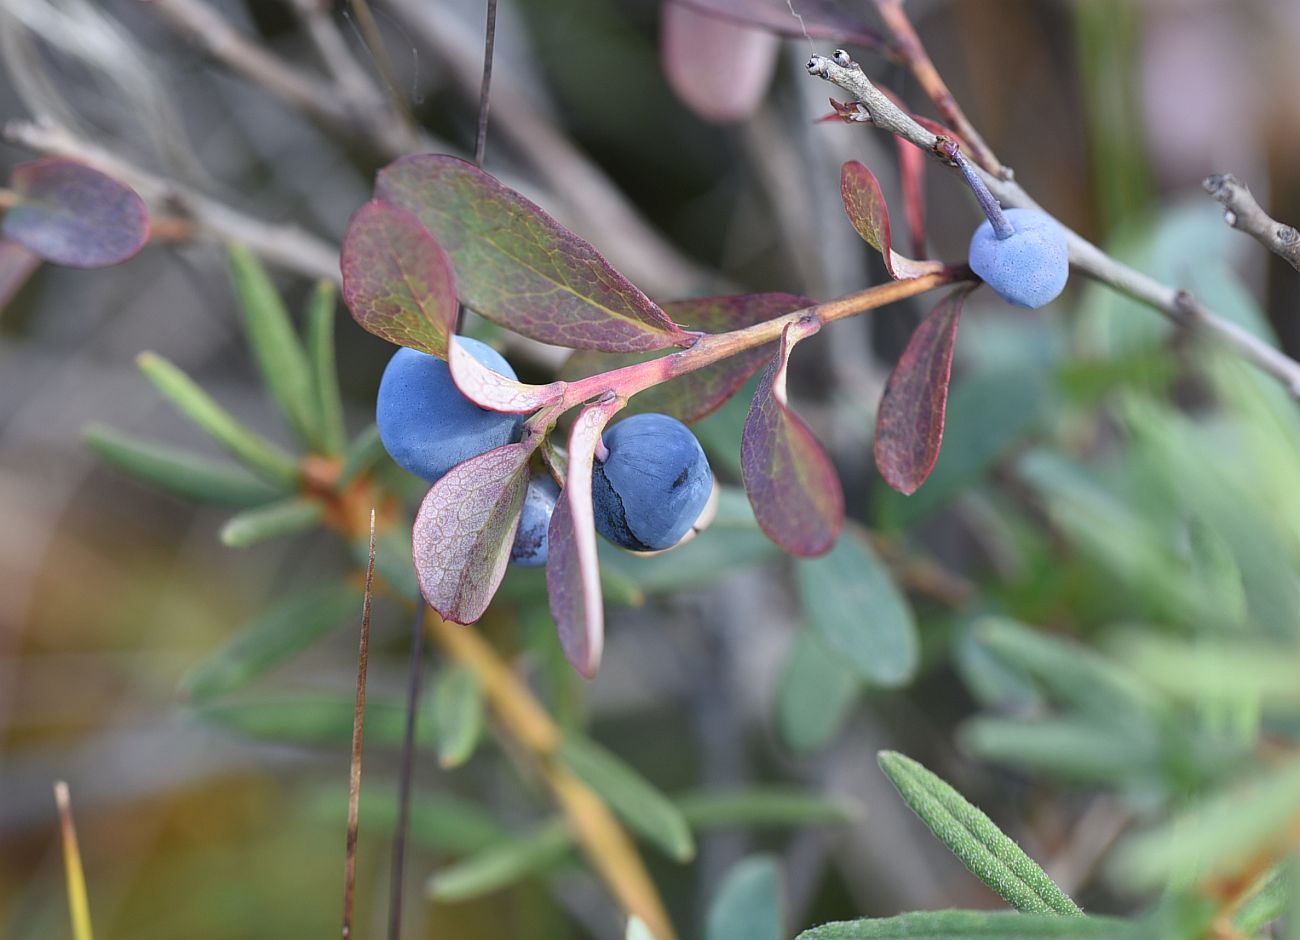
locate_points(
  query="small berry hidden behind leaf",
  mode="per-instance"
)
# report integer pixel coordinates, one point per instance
(539, 504)
(426, 424)
(653, 485)
(1028, 268)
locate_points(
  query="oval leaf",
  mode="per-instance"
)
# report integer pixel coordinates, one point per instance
(572, 566)
(458, 714)
(71, 214)
(790, 482)
(866, 208)
(748, 904)
(698, 394)
(816, 692)
(720, 68)
(494, 391)
(520, 268)
(397, 280)
(465, 529)
(909, 422)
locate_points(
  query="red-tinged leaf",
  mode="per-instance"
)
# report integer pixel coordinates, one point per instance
(572, 569)
(465, 529)
(494, 391)
(911, 169)
(71, 214)
(397, 280)
(816, 19)
(694, 395)
(866, 208)
(909, 423)
(17, 264)
(720, 68)
(520, 268)
(790, 481)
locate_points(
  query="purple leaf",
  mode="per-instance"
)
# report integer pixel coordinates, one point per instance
(694, 395)
(909, 422)
(465, 529)
(17, 264)
(71, 214)
(720, 68)
(397, 280)
(494, 391)
(572, 570)
(790, 482)
(819, 19)
(520, 268)
(867, 211)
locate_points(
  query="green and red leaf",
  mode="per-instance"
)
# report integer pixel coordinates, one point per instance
(866, 209)
(909, 422)
(791, 484)
(71, 214)
(494, 391)
(517, 266)
(465, 529)
(397, 281)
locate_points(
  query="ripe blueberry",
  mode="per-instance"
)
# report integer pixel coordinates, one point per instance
(530, 540)
(1027, 268)
(426, 424)
(653, 484)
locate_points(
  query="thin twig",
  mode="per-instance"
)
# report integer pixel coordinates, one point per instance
(78, 905)
(358, 736)
(405, 774)
(1243, 212)
(351, 80)
(1178, 305)
(375, 42)
(485, 90)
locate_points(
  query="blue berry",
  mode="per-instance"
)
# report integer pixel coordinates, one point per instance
(1029, 268)
(426, 424)
(653, 485)
(530, 540)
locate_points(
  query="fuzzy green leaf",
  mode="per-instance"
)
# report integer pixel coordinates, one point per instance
(960, 925)
(179, 472)
(324, 370)
(762, 807)
(973, 838)
(500, 866)
(458, 714)
(285, 517)
(748, 904)
(631, 796)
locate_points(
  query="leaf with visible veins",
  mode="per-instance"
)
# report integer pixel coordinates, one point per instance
(866, 209)
(791, 484)
(520, 268)
(494, 391)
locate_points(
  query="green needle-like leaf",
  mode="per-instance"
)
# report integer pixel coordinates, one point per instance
(748, 904)
(179, 472)
(960, 925)
(457, 714)
(320, 352)
(256, 451)
(272, 637)
(762, 807)
(502, 865)
(631, 796)
(280, 356)
(973, 838)
(310, 720)
(362, 454)
(286, 517)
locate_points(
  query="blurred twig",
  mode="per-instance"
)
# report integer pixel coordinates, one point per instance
(1243, 212)
(77, 903)
(358, 738)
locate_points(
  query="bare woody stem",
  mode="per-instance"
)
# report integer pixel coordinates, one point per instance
(607, 846)
(1243, 212)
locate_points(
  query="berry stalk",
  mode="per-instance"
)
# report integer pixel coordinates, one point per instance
(988, 202)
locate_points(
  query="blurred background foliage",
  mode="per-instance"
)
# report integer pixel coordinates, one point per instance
(1088, 620)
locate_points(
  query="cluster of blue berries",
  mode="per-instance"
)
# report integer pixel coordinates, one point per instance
(648, 491)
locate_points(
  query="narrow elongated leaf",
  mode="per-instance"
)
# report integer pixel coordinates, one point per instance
(1072, 749)
(494, 391)
(17, 265)
(960, 925)
(631, 796)
(72, 214)
(458, 714)
(572, 565)
(272, 637)
(849, 599)
(762, 807)
(790, 481)
(973, 838)
(748, 903)
(285, 517)
(320, 352)
(317, 720)
(465, 529)
(187, 475)
(720, 68)
(697, 394)
(911, 171)
(909, 423)
(280, 356)
(259, 454)
(397, 281)
(438, 820)
(817, 690)
(520, 268)
(500, 866)
(866, 208)
(366, 449)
